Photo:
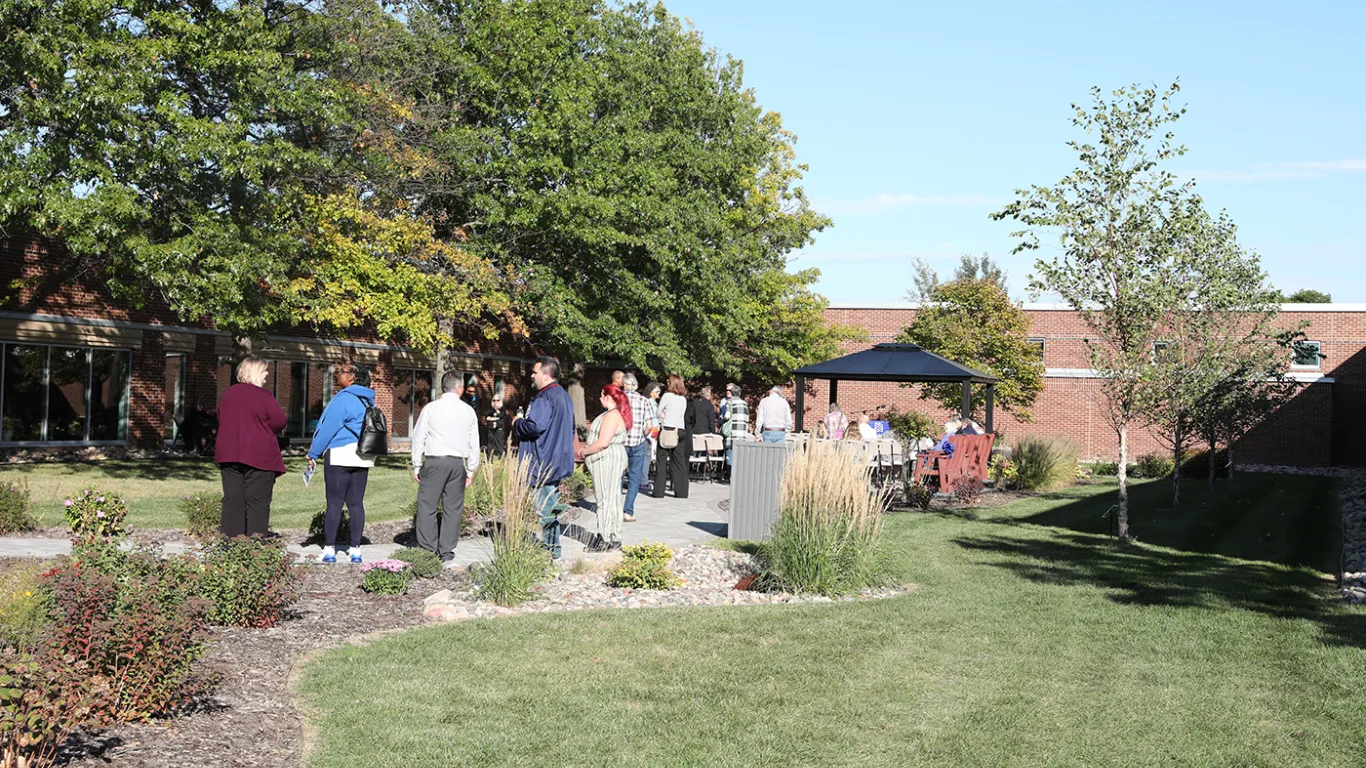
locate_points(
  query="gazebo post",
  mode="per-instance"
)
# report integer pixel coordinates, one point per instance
(991, 409)
(801, 402)
(967, 399)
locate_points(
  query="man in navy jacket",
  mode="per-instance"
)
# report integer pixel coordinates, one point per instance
(546, 440)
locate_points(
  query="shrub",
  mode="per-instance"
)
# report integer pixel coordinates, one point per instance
(657, 553)
(642, 574)
(484, 497)
(141, 630)
(425, 564)
(826, 538)
(1103, 468)
(1003, 471)
(577, 486)
(317, 531)
(1044, 463)
(16, 509)
(93, 513)
(250, 580)
(911, 425)
(1153, 465)
(203, 513)
(519, 561)
(968, 491)
(1196, 463)
(919, 495)
(23, 609)
(43, 700)
(386, 577)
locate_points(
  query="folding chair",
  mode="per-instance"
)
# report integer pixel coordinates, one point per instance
(716, 455)
(698, 457)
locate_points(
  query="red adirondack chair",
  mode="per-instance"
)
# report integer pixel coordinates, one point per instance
(971, 453)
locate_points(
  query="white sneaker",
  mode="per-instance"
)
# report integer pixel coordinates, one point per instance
(329, 554)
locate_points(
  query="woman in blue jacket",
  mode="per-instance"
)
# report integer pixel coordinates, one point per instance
(345, 472)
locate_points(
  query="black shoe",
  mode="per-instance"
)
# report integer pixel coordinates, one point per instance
(615, 544)
(596, 544)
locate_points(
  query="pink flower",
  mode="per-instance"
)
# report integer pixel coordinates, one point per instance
(69, 503)
(100, 499)
(99, 513)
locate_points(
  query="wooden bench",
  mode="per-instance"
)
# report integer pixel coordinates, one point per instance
(971, 453)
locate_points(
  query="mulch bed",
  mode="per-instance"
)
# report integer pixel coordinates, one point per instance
(250, 719)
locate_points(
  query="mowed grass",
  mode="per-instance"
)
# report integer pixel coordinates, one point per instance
(1023, 645)
(153, 489)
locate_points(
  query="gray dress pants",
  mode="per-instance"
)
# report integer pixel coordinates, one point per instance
(441, 482)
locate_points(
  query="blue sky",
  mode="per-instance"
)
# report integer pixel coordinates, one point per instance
(918, 120)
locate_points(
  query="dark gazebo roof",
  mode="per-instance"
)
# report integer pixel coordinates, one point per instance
(893, 362)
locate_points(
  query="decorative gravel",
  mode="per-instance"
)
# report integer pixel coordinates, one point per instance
(709, 577)
(1353, 505)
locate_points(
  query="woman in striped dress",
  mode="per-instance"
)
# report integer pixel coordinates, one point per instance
(605, 456)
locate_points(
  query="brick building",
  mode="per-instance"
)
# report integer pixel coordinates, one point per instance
(79, 369)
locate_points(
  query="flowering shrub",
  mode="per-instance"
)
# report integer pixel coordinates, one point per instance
(23, 610)
(1003, 471)
(644, 566)
(250, 581)
(386, 577)
(203, 513)
(968, 491)
(43, 700)
(95, 514)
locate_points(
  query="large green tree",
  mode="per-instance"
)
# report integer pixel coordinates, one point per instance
(973, 322)
(1115, 262)
(646, 201)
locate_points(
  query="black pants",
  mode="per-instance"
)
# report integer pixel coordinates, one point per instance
(246, 500)
(675, 462)
(345, 485)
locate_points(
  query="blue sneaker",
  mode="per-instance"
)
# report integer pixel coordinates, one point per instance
(355, 557)
(329, 554)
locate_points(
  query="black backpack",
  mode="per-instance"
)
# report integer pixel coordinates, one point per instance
(373, 439)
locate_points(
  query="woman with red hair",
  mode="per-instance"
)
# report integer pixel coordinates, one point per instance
(605, 457)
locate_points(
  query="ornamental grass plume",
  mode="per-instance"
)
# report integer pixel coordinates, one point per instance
(519, 561)
(829, 522)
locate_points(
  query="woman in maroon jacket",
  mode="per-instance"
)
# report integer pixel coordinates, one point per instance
(248, 452)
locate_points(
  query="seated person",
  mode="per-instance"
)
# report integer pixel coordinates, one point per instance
(865, 430)
(971, 427)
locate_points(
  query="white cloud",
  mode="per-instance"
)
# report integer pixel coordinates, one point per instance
(1283, 171)
(890, 202)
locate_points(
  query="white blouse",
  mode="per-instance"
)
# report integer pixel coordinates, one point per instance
(672, 409)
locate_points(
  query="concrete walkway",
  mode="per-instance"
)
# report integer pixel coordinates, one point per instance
(676, 522)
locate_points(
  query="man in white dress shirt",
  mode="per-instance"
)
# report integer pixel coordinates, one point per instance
(445, 456)
(773, 420)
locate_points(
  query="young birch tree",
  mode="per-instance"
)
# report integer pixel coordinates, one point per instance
(1115, 266)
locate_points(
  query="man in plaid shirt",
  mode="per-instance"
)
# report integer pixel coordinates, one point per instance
(643, 419)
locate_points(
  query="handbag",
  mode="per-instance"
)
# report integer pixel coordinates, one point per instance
(668, 438)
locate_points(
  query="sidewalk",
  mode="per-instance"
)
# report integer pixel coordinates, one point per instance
(676, 522)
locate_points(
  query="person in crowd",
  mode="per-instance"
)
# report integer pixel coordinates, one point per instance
(643, 419)
(445, 449)
(345, 472)
(675, 444)
(774, 417)
(605, 457)
(836, 422)
(701, 417)
(866, 432)
(619, 379)
(653, 391)
(496, 428)
(734, 420)
(971, 427)
(545, 438)
(248, 451)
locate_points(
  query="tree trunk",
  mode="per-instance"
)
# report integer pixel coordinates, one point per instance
(1212, 454)
(1176, 467)
(443, 351)
(1230, 461)
(241, 350)
(1122, 512)
(574, 386)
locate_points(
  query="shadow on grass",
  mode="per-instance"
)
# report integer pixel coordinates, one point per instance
(1139, 575)
(178, 468)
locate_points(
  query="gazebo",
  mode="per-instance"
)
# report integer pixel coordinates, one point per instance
(900, 363)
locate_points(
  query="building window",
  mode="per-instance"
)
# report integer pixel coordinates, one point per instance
(60, 394)
(1038, 342)
(412, 390)
(498, 383)
(177, 377)
(1308, 354)
(298, 401)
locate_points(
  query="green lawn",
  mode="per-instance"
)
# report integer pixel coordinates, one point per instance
(153, 488)
(1029, 641)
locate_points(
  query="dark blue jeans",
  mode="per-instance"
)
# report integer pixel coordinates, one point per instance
(637, 463)
(345, 485)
